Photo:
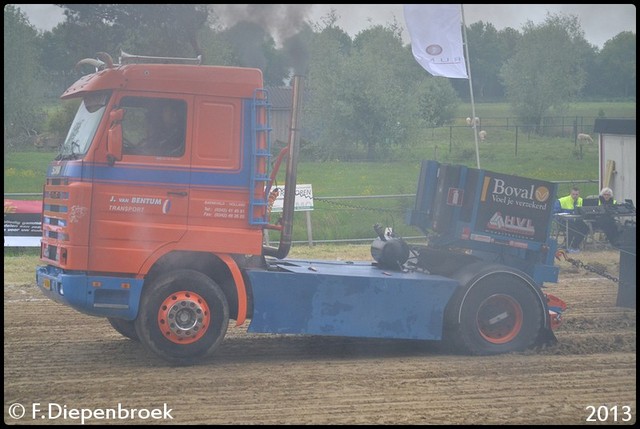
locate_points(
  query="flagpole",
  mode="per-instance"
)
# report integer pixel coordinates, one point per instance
(473, 107)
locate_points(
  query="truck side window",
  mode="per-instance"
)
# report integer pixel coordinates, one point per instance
(153, 126)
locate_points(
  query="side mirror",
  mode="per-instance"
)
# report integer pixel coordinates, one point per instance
(114, 136)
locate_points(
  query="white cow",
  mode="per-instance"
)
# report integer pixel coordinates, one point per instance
(470, 122)
(585, 138)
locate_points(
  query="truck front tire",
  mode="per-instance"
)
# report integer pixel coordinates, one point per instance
(126, 328)
(183, 316)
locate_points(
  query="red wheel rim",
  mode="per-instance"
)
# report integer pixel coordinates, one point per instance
(499, 319)
(184, 317)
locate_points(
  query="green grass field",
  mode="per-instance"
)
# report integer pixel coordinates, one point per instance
(506, 150)
(608, 109)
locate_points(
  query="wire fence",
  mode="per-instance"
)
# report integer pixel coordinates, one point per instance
(518, 133)
(560, 126)
(348, 219)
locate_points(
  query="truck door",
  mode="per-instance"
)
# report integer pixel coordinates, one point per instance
(221, 162)
(141, 203)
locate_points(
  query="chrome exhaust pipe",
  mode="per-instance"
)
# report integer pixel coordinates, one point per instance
(288, 203)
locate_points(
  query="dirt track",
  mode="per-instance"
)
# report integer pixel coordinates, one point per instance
(64, 360)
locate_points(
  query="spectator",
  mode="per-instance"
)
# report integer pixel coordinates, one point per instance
(577, 228)
(605, 222)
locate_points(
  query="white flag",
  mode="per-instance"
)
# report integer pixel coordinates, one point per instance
(436, 38)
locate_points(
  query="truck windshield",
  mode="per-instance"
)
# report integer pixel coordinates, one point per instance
(84, 126)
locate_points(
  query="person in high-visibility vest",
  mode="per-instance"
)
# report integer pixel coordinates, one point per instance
(605, 222)
(578, 229)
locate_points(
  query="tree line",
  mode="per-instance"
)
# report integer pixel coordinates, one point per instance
(368, 96)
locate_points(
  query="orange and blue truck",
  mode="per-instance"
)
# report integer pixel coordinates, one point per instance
(170, 247)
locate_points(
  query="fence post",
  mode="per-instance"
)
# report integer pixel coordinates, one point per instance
(309, 232)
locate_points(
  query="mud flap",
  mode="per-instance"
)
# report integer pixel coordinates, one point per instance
(546, 338)
(555, 307)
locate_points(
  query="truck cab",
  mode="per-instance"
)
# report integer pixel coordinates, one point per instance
(119, 207)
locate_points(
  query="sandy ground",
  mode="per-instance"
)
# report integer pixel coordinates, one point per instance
(63, 367)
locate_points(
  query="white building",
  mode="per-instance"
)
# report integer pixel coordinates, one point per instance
(617, 147)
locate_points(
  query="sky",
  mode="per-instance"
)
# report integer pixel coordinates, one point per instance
(600, 22)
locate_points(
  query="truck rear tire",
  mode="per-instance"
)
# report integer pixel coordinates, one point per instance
(496, 313)
(183, 316)
(126, 328)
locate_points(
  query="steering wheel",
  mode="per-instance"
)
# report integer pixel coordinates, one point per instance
(126, 144)
(133, 149)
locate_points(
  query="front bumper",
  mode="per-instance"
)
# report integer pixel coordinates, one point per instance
(93, 295)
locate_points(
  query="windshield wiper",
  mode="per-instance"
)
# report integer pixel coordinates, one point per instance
(72, 155)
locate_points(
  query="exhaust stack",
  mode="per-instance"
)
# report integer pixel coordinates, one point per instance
(288, 203)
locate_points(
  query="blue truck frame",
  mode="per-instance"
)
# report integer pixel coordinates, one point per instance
(402, 299)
